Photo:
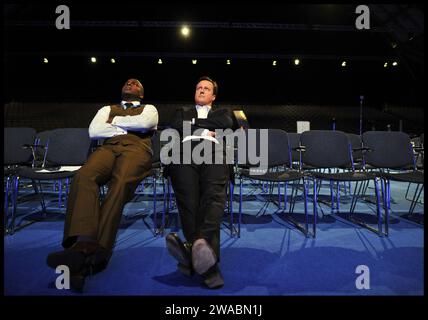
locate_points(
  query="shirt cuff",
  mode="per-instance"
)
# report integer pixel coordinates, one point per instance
(121, 131)
(204, 133)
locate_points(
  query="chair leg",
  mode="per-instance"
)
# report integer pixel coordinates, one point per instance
(15, 204)
(6, 204)
(231, 191)
(285, 195)
(378, 211)
(407, 191)
(332, 206)
(415, 199)
(59, 193)
(240, 207)
(388, 205)
(155, 215)
(41, 197)
(305, 199)
(338, 196)
(165, 199)
(315, 210)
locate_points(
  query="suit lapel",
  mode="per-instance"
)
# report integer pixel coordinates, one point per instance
(190, 113)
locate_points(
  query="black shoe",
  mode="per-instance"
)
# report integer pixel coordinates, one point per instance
(181, 252)
(82, 259)
(213, 278)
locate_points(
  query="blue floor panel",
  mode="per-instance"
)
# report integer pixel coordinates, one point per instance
(270, 258)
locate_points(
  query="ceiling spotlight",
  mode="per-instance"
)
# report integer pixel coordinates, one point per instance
(395, 63)
(274, 62)
(344, 64)
(185, 31)
(227, 61)
(159, 61)
(112, 60)
(385, 64)
(45, 60)
(296, 62)
(194, 61)
(93, 59)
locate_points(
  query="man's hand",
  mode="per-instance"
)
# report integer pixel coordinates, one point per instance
(211, 134)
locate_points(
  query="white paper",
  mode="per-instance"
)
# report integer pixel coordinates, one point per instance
(61, 169)
(303, 126)
(200, 137)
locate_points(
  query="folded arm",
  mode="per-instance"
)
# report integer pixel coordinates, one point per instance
(220, 119)
(146, 121)
(100, 129)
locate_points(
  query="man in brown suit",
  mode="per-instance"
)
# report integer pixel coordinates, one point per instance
(123, 161)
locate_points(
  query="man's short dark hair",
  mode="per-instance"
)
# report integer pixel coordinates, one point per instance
(215, 86)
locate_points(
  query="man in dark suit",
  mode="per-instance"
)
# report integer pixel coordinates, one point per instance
(123, 161)
(200, 189)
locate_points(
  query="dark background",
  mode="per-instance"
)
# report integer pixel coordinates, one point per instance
(69, 89)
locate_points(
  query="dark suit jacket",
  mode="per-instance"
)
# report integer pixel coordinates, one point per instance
(216, 119)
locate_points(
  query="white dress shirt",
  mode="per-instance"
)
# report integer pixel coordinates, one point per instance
(146, 121)
(203, 114)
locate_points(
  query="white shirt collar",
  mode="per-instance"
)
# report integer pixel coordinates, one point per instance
(134, 103)
(208, 107)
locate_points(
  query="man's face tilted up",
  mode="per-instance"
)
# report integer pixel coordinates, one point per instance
(204, 94)
(132, 90)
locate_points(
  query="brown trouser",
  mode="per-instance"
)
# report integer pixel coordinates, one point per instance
(124, 166)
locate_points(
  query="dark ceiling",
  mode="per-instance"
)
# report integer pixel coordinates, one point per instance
(250, 36)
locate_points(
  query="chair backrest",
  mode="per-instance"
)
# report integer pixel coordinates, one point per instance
(294, 140)
(389, 149)
(356, 142)
(68, 146)
(14, 139)
(326, 148)
(278, 150)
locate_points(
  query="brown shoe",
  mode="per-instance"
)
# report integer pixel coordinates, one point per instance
(82, 259)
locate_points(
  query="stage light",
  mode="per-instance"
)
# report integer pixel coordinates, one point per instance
(194, 61)
(385, 64)
(93, 59)
(395, 63)
(296, 62)
(344, 64)
(45, 60)
(274, 62)
(227, 61)
(112, 60)
(185, 31)
(159, 61)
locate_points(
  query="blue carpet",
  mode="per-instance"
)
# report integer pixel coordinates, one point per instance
(270, 258)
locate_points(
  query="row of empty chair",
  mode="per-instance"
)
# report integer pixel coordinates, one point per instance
(304, 161)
